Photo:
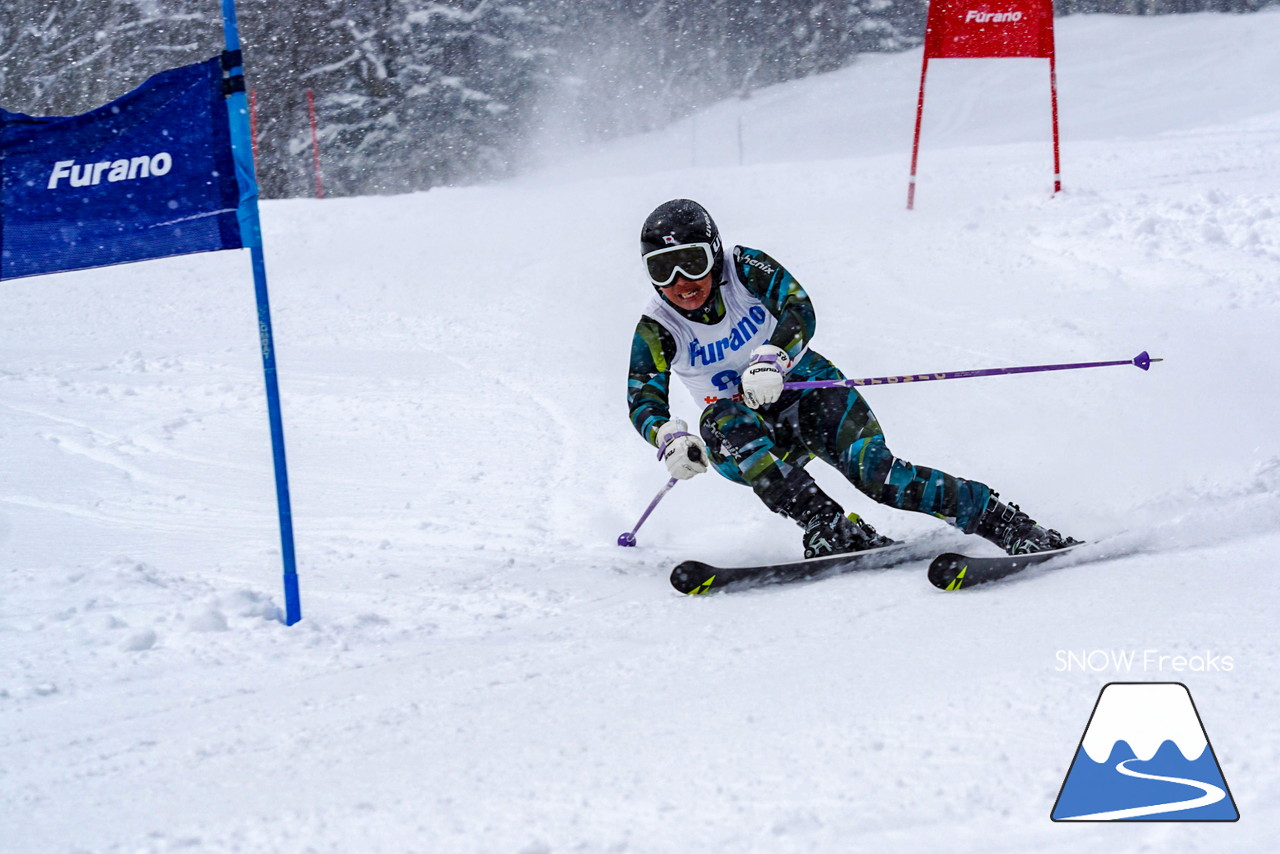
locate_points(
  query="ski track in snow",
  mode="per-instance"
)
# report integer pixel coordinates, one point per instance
(481, 669)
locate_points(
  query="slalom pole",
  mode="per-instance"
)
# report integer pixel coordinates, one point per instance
(253, 121)
(1142, 360)
(915, 142)
(315, 143)
(251, 238)
(629, 538)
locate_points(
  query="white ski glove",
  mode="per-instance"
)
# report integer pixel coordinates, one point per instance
(762, 380)
(683, 452)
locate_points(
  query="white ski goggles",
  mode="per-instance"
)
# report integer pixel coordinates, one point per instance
(691, 260)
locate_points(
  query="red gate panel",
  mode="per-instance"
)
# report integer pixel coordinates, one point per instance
(972, 29)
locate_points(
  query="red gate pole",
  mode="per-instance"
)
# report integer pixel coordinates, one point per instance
(253, 121)
(1053, 99)
(315, 143)
(915, 145)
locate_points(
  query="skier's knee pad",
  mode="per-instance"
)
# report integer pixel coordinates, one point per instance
(878, 473)
(868, 464)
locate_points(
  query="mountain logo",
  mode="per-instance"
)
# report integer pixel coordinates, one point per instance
(1145, 756)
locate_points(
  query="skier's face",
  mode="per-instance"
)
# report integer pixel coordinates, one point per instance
(688, 295)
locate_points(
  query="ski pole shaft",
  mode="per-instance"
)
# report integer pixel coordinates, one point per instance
(1142, 360)
(629, 538)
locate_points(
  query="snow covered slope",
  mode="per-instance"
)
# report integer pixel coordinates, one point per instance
(481, 669)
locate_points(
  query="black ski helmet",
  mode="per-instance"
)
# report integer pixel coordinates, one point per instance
(681, 221)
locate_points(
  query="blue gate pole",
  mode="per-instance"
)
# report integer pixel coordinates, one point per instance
(251, 237)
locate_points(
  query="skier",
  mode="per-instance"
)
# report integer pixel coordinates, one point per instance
(733, 326)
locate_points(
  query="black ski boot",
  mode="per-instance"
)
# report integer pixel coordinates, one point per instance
(833, 533)
(827, 531)
(1016, 532)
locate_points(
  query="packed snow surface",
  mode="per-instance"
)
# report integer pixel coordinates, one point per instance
(481, 669)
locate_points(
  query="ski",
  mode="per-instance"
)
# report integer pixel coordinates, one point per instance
(953, 571)
(695, 577)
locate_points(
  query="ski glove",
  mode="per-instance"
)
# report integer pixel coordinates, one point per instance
(683, 452)
(762, 380)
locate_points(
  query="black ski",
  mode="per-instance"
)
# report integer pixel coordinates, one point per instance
(695, 577)
(952, 571)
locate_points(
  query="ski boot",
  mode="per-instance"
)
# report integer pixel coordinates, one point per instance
(1016, 532)
(827, 531)
(833, 533)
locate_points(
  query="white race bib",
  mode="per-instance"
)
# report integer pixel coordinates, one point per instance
(710, 359)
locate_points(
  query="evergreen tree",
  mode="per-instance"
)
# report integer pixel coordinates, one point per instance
(413, 94)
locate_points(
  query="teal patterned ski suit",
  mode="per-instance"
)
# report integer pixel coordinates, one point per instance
(760, 447)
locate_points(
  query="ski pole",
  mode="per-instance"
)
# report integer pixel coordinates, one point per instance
(1142, 360)
(629, 538)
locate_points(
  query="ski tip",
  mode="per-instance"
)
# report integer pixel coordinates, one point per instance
(1143, 360)
(947, 571)
(693, 577)
(957, 571)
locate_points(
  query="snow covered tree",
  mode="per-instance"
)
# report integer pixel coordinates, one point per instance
(413, 94)
(62, 57)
